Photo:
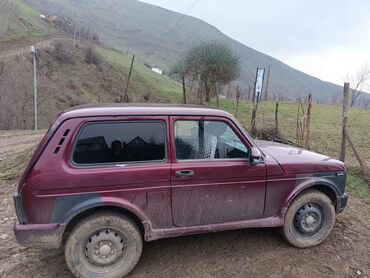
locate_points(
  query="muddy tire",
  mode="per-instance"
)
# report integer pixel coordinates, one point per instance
(309, 219)
(104, 244)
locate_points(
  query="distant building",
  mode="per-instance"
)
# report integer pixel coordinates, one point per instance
(52, 19)
(158, 70)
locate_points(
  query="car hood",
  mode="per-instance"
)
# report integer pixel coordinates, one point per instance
(294, 160)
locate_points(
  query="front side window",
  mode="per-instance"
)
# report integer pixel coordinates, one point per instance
(120, 142)
(207, 140)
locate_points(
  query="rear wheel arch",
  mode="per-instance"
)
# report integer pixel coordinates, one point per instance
(108, 208)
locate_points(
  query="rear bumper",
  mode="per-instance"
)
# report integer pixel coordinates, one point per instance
(45, 236)
(342, 202)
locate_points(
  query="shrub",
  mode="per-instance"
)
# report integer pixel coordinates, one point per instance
(63, 52)
(91, 56)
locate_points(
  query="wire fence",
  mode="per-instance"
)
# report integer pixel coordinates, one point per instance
(287, 121)
(358, 130)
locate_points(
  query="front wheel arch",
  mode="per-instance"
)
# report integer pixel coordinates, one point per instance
(328, 189)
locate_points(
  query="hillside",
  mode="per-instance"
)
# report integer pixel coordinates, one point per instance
(20, 21)
(66, 79)
(65, 76)
(140, 27)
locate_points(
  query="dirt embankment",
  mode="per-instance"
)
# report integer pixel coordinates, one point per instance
(243, 253)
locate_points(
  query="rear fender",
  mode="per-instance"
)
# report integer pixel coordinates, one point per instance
(68, 207)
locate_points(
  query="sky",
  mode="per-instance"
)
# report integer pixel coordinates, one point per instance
(329, 39)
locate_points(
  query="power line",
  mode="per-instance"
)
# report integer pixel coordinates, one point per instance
(174, 27)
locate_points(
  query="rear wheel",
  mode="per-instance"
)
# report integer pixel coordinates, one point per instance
(309, 219)
(103, 245)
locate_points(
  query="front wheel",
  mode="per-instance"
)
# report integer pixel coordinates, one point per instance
(309, 219)
(105, 244)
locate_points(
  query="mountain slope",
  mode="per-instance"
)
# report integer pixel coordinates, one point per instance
(18, 20)
(140, 27)
(65, 77)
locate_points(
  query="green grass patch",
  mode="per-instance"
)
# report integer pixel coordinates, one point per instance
(160, 88)
(356, 184)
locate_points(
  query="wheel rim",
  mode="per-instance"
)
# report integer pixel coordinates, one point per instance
(105, 247)
(308, 219)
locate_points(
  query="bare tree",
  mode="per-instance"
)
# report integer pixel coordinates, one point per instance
(336, 98)
(359, 83)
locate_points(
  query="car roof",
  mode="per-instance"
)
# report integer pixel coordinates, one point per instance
(115, 109)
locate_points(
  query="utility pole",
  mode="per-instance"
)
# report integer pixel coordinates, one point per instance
(33, 51)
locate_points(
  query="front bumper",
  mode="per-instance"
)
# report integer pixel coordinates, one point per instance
(45, 236)
(342, 202)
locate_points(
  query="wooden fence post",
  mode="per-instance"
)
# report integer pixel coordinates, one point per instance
(228, 90)
(237, 101)
(217, 97)
(254, 114)
(277, 117)
(267, 83)
(183, 90)
(342, 154)
(308, 123)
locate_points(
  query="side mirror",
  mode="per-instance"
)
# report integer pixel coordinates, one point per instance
(255, 156)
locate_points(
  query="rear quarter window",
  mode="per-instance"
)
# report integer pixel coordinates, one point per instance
(120, 142)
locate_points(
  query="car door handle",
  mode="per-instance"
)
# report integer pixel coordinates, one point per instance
(184, 173)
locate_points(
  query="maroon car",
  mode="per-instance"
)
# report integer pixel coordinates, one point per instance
(106, 177)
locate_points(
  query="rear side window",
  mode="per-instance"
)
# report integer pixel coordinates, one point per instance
(120, 142)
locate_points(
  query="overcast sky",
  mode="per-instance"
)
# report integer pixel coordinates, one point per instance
(324, 38)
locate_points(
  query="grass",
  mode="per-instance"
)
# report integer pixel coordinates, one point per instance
(356, 183)
(161, 88)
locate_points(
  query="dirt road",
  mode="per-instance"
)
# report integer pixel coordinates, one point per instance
(9, 49)
(242, 253)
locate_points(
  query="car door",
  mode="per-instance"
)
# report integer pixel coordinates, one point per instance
(212, 180)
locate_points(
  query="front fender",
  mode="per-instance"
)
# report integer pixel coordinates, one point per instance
(325, 182)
